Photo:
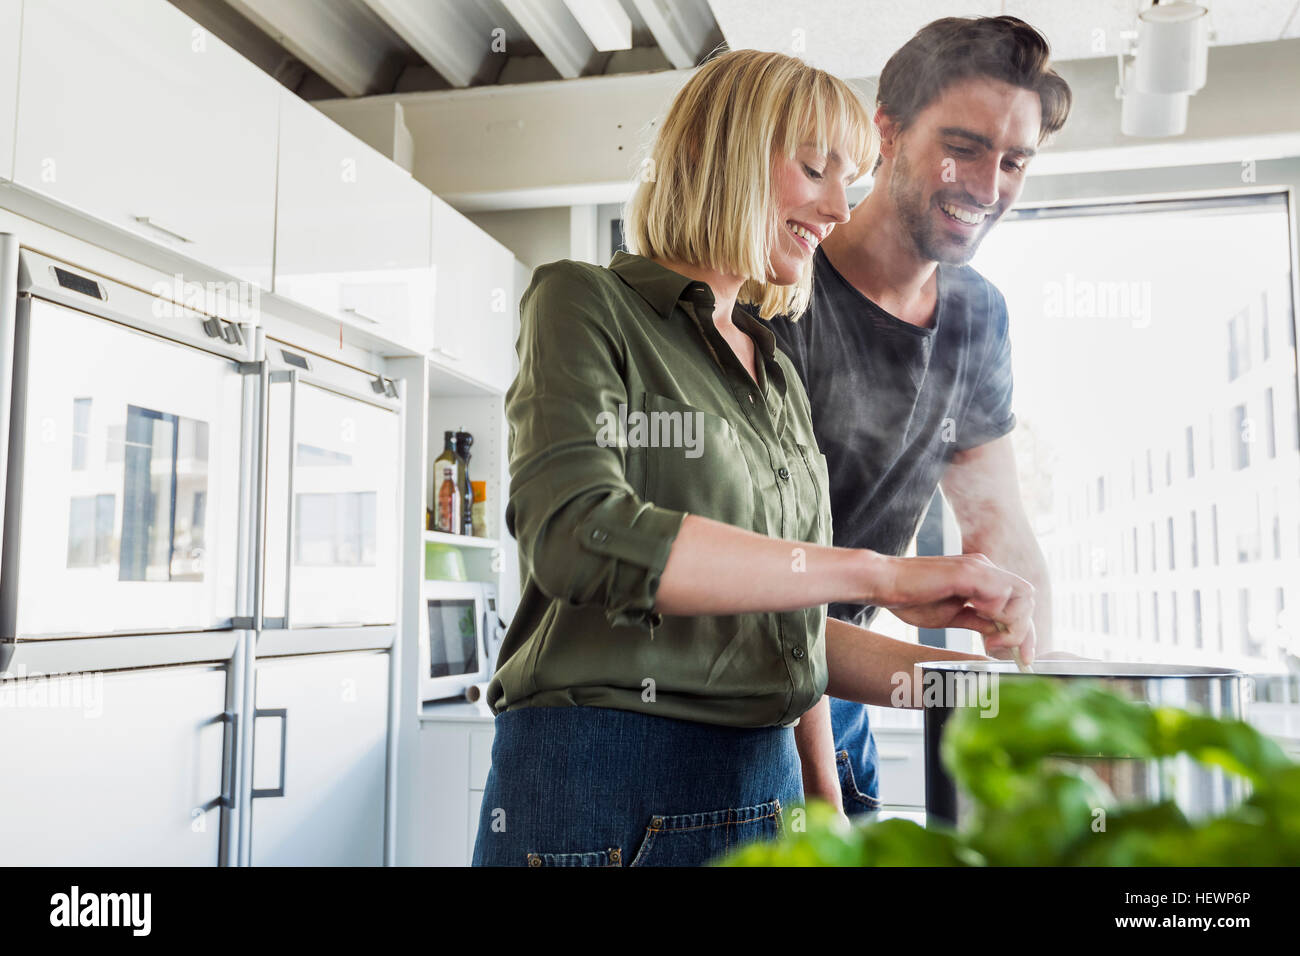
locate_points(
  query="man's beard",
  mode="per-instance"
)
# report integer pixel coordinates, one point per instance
(907, 196)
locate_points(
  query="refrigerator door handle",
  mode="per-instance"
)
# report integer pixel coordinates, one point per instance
(289, 505)
(283, 714)
(230, 736)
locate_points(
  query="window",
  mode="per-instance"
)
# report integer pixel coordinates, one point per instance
(1198, 393)
(1239, 439)
(1197, 632)
(1173, 616)
(1270, 439)
(1238, 346)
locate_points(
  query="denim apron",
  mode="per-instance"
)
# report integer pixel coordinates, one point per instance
(593, 786)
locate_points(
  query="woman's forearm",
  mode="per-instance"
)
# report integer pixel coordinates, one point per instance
(715, 568)
(867, 667)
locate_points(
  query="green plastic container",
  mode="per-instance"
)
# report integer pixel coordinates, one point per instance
(443, 562)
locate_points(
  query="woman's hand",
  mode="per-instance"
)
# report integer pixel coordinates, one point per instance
(966, 591)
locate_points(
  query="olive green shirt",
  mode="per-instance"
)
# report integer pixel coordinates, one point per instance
(629, 411)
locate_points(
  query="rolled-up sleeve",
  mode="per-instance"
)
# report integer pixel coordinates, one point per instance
(583, 533)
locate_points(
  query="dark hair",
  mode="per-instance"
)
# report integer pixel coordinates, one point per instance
(957, 48)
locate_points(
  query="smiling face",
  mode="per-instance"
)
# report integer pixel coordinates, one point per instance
(960, 165)
(808, 201)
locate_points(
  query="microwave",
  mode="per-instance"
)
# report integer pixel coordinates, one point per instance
(460, 634)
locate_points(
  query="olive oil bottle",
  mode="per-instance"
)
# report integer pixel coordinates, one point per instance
(447, 499)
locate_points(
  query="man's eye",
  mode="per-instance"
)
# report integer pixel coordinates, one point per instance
(961, 150)
(1015, 167)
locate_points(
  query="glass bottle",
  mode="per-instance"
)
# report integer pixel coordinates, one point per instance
(447, 504)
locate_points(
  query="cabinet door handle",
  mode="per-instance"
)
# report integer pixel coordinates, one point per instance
(360, 315)
(170, 233)
(454, 356)
(283, 714)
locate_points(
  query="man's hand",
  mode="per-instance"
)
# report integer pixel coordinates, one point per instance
(966, 591)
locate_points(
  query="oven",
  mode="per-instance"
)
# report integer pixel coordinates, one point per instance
(124, 461)
(333, 456)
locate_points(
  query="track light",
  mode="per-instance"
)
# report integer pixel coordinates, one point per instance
(1169, 65)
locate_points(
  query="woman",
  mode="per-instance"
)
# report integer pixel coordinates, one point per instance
(671, 506)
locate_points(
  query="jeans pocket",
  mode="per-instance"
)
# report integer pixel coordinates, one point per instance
(611, 857)
(693, 839)
(849, 787)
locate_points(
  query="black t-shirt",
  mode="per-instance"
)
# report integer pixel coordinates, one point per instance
(891, 403)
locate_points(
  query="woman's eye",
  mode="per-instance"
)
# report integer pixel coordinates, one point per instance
(811, 173)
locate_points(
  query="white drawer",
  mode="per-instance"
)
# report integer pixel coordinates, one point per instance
(901, 767)
(480, 758)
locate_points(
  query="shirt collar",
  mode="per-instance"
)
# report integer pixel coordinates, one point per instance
(663, 289)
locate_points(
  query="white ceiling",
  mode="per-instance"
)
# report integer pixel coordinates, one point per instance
(854, 38)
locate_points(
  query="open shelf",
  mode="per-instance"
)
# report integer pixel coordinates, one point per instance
(461, 540)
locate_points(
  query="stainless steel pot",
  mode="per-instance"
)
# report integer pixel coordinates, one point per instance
(1198, 790)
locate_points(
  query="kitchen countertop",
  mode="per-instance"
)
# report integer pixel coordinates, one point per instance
(457, 710)
(1280, 721)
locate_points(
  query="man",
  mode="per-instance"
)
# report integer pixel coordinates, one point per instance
(904, 348)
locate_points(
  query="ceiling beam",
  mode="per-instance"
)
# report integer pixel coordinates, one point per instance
(557, 34)
(346, 44)
(452, 36)
(682, 28)
(605, 22)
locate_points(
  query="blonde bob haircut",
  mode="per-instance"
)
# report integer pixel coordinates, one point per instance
(705, 193)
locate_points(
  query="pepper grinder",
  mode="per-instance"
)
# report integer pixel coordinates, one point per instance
(463, 442)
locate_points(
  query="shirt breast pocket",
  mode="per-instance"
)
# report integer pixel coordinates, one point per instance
(695, 461)
(816, 525)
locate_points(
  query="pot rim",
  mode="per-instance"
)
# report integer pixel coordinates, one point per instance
(1096, 670)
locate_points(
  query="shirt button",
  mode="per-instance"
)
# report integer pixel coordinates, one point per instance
(600, 537)
(798, 653)
(784, 472)
(751, 398)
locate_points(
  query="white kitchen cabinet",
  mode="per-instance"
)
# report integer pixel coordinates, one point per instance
(116, 769)
(901, 766)
(474, 299)
(455, 754)
(353, 230)
(133, 114)
(10, 24)
(326, 742)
